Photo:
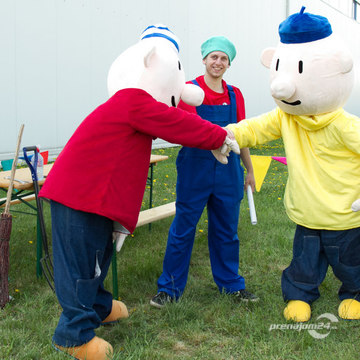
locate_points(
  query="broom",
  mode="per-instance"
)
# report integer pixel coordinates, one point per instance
(5, 231)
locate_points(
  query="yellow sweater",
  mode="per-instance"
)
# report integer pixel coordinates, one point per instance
(323, 157)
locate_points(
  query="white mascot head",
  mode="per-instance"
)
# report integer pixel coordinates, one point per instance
(311, 72)
(153, 65)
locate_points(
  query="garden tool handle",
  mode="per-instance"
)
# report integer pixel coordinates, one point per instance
(32, 168)
(13, 169)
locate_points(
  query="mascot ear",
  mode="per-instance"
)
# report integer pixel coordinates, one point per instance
(267, 56)
(149, 57)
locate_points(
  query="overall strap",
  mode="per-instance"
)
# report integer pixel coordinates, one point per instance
(195, 82)
(232, 103)
(232, 96)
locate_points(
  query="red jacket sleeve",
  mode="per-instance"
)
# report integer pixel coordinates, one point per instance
(187, 107)
(173, 124)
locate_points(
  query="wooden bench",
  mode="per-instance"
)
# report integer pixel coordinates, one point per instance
(145, 217)
(156, 213)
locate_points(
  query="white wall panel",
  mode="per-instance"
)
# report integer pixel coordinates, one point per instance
(56, 54)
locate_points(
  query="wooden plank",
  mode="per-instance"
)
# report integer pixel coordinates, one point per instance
(24, 175)
(156, 213)
(157, 158)
(17, 201)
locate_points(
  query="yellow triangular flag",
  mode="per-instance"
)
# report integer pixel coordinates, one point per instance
(261, 166)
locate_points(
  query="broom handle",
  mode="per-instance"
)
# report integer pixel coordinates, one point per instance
(13, 169)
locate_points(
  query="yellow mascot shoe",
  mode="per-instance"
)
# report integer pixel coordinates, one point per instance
(96, 349)
(349, 309)
(297, 310)
(118, 311)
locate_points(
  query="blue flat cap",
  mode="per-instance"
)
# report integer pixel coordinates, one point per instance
(304, 27)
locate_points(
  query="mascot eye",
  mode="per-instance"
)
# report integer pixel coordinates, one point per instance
(277, 64)
(300, 67)
(179, 65)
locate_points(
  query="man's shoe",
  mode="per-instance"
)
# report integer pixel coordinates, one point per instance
(161, 299)
(245, 296)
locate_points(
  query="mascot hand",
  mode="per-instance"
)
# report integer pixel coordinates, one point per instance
(119, 234)
(355, 205)
(119, 239)
(219, 156)
(231, 143)
(223, 152)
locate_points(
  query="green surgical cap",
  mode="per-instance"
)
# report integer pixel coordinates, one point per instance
(218, 43)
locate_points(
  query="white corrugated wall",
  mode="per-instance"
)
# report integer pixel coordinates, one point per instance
(56, 54)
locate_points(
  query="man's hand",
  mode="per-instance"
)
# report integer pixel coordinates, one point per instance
(250, 181)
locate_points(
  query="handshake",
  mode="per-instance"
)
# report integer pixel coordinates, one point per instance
(221, 154)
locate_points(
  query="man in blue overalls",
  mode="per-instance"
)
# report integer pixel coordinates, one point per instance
(203, 181)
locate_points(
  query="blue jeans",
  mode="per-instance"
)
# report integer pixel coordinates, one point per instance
(82, 251)
(313, 252)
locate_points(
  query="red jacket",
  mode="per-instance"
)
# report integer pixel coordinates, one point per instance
(103, 168)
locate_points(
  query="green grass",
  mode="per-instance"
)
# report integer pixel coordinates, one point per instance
(204, 324)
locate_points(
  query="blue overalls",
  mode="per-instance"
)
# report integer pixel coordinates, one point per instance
(202, 181)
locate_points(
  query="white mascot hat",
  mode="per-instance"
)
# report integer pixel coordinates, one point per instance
(160, 31)
(153, 64)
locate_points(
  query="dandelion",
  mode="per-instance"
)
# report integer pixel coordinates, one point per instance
(201, 230)
(30, 242)
(17, 290)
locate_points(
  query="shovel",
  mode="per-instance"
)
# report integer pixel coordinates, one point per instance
(46, 263)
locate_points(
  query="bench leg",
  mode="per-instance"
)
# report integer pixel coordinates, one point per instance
(114, 274)
(151, 189)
